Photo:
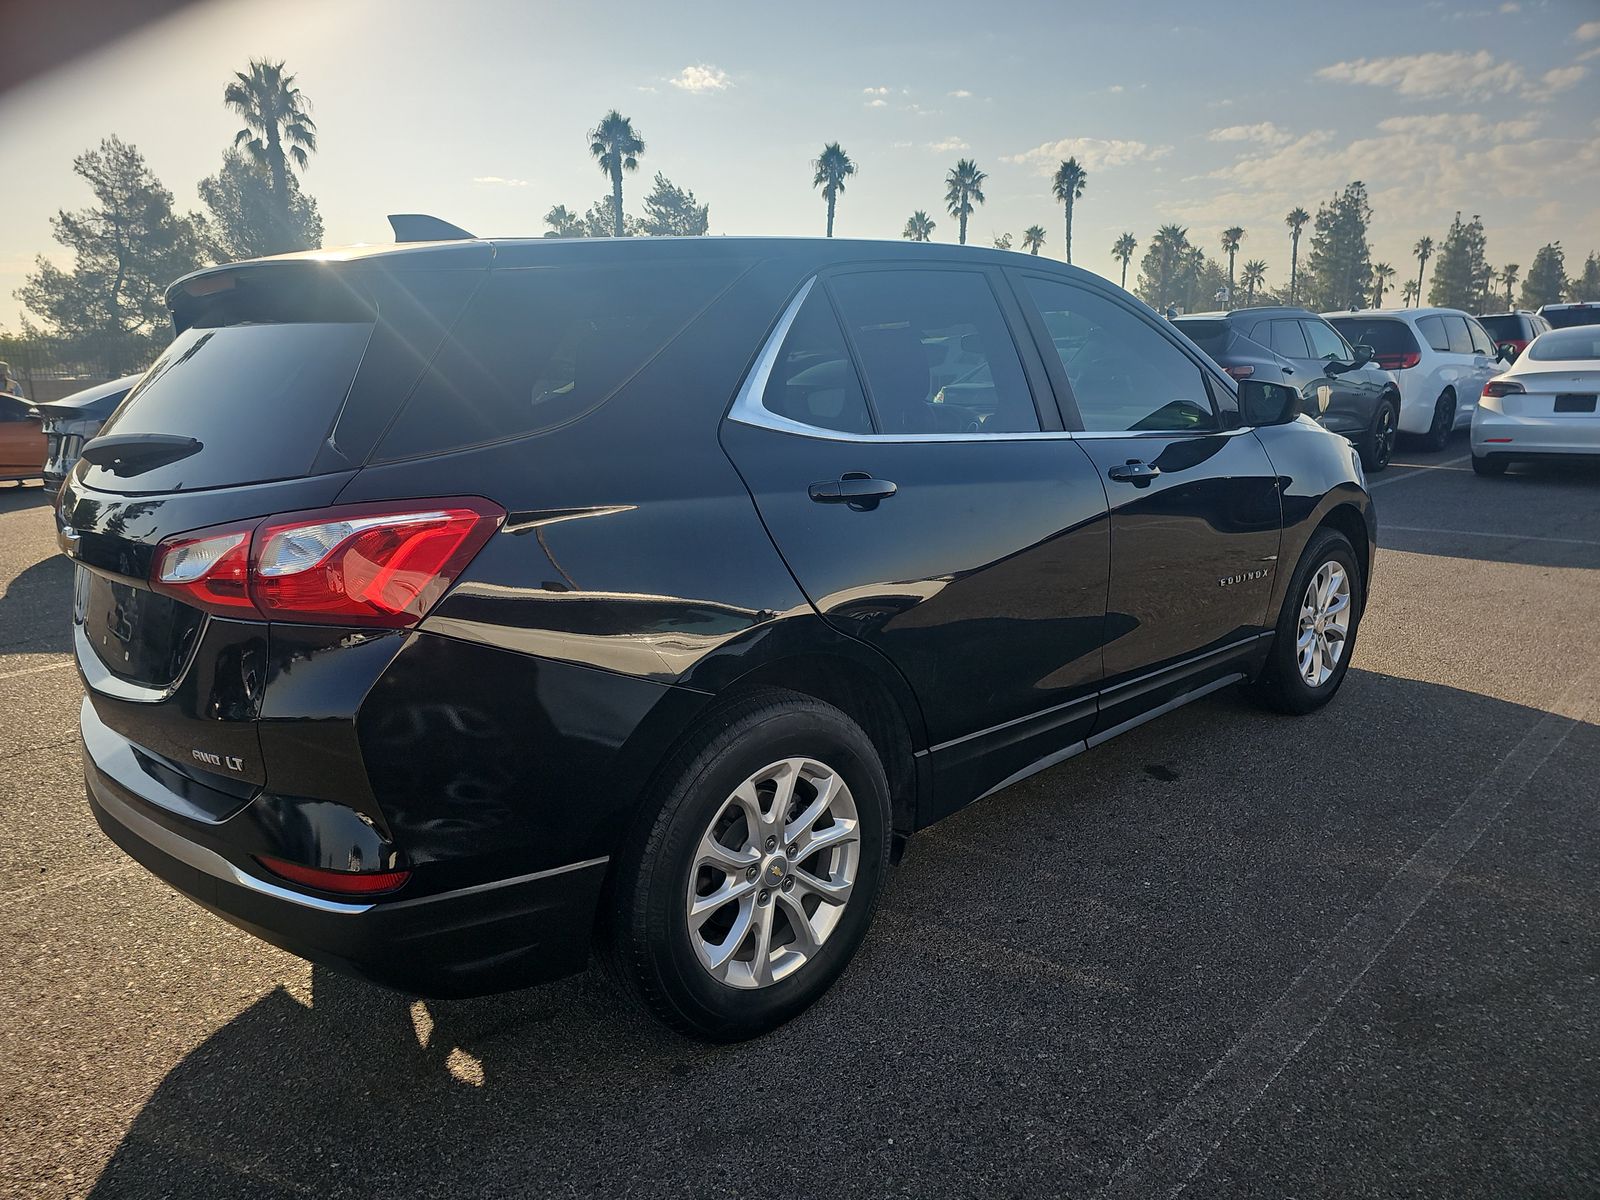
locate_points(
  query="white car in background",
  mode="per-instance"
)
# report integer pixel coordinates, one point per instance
(1440, 359)
(1544, 405)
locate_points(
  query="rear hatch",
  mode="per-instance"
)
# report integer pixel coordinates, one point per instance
(281, 377)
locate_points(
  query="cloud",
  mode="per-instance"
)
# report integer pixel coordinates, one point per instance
(877, 91)
(1589, 31)
(1431, 74)
(1460, 127)
(1116, 89)
(959, 93)
(498, 181)
(1511, 6)
(1554, 81)
(1266, 133)
(948, 145)
(1094, 153)
(877, 102)
(701, 78)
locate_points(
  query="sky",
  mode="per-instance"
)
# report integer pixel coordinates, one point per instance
(1203, 115)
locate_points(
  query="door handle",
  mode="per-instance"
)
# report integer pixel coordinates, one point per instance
(1287, 370)
(1135, 472)
(855, 488)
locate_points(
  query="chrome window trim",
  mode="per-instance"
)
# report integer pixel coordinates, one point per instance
(747, 408)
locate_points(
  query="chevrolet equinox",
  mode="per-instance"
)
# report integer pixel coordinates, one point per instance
(448, 609)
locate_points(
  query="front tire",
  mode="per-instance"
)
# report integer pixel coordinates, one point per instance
(750, 890)
(1376, 446)
(1316, 632)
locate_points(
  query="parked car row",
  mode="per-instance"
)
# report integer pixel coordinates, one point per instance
(43, 441)
(1545, 405)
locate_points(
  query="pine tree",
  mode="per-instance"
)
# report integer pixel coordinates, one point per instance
(671, 211)
(1340, 263)
(1546, 282)
(1461, 272)
(247, 218)
(1587, 285)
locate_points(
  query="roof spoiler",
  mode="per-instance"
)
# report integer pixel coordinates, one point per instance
(419, 227)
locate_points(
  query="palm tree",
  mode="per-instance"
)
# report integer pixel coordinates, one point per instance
(1422, 250)
(1255, 274)
(1231, 237)
(563, 222)
(963, 188)
(919, 227)
(616, 147)
(1381, 274)
(1033, 238)
(1122, 250)
(1067, 187)
(1508, 276)
(1296, 221)
(277, 127)
(832, 167)
(1171, 249)
(1408, 294)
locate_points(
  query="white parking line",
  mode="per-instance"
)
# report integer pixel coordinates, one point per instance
(1483, 533)
(1175, 1150)
(55, 666)
(1415, 469)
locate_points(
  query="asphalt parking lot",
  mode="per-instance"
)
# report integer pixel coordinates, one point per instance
(1229, 954)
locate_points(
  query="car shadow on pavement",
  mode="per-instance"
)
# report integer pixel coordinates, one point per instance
(36, 609)
(986, 1040)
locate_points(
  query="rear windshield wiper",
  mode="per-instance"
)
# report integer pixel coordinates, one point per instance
(131, 453)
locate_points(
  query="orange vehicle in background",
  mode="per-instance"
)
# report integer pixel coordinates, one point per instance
(22, 441)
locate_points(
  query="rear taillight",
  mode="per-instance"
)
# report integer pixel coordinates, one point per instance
(1240, 372)
(381, 565)
(1399, 362)
(345, 883)
(1502, 387)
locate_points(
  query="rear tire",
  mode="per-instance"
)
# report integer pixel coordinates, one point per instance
(1444, 422)
(1293, 681)
(1490, 464)
(1376, 446)
(730, 820)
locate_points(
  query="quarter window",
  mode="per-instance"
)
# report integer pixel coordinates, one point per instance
(814, 382)
(935, 352)
(1481, 343)
(1124, 374)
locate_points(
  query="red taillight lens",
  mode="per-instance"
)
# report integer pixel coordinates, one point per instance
(1240, 372)
(345, 883)
(381, 565)
(1399, 362)
(1502, 387)
(210, 570)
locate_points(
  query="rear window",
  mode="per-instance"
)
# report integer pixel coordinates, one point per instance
(1210, 336)
(1583, 343)
(1386, 338)
(541, 346)
(1577, 314)
(1505, 328)
(260, 399)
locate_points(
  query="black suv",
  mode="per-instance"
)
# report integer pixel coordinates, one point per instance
(1341, 388)
(445, 609)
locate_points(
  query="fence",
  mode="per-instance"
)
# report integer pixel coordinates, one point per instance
(49, 368)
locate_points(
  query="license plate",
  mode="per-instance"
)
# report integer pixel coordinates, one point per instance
(1575, 402)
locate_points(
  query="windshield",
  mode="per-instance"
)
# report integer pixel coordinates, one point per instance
(1567, 344)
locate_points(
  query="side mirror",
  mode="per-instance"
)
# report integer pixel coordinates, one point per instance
(1506, 352)
(1262, 403)
(1364, 354)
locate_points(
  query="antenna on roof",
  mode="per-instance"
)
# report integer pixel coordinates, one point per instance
(419, 227)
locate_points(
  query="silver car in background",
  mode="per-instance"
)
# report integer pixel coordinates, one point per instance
(73, 420)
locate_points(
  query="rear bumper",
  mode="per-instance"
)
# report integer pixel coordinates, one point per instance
(1532, 437)
(489, 937)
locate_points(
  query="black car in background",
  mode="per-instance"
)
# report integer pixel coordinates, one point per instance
(73, 420)
(1340, 386)
(446, 609)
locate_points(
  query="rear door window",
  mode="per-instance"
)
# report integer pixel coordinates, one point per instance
(542, 346)
(1432, 329)
(1286, 339)
(936, 353)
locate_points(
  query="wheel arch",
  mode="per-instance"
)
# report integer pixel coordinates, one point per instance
(1347, 519)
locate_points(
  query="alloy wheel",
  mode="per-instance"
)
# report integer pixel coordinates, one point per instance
(1383, 444)
(773, 872)
(1324, 623)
